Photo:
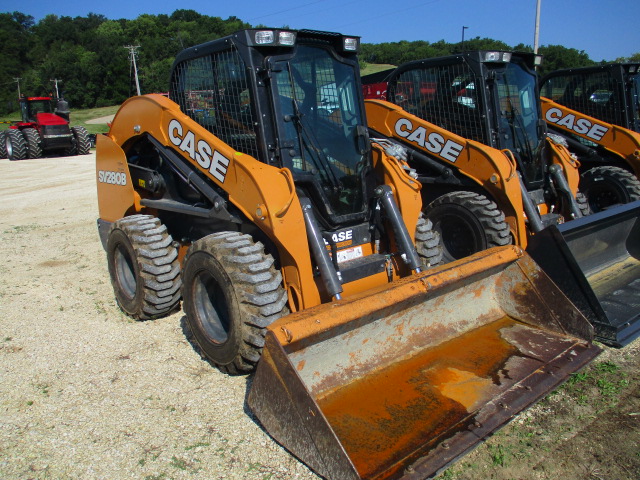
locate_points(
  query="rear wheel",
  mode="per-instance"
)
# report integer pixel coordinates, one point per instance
(34, 147)
(467, 222)
(15, 144)
(3, 145)
(608, 186)
(144, 267)
(231, 292)
(83, 144)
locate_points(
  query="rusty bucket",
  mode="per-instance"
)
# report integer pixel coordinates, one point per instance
(401, 381)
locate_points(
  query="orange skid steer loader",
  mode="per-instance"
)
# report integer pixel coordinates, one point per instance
(254, 197)
(471, 126)
(597, 112)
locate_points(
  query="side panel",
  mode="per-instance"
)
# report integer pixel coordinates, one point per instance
(116, 195)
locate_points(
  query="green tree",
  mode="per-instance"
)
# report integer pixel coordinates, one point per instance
(557, 57)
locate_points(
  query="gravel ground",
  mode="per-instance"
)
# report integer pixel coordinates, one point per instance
(86, 392)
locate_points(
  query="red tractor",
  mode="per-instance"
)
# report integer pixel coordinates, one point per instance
(43, 129)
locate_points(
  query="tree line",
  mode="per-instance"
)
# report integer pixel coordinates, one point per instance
(88, 58)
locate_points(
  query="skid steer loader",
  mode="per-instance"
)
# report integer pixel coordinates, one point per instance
(471, 127)
(254, 195)
(597, 112)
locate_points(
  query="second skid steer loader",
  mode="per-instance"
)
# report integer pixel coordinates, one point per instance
(471, 127)
(597, 112)
(254, 196)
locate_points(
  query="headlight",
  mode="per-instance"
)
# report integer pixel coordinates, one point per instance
(264, 37)
(497, 57)
(286, 38)
(350, 44)
(274, 37)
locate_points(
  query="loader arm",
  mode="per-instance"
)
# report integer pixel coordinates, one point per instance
(619, 141)
(263, 193)
(489, 168)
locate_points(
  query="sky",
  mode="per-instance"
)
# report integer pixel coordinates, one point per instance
(604, 30)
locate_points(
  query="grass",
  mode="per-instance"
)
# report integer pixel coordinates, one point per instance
(599, 385)
(375, 68)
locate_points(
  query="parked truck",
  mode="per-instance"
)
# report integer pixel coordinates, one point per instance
(596, 110)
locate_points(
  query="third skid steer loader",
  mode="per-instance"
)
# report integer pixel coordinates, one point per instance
(597, 111)
(253, 195)
(471, 126)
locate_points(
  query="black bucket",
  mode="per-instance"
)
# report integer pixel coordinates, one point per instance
(595, 260)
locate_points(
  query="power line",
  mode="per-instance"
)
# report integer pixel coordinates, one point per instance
(388, 14)
(284, 11)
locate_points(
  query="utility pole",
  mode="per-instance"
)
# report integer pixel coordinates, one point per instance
(536, 35)
(55, 81)
(17, 80)
(132, 54)
(463, 29)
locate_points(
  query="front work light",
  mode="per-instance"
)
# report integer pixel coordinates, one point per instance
(274, 38)
(287, 38)
(264, 37)
(350, 44)
(497, 57)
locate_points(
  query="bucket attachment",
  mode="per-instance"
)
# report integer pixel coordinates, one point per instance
(595, 261)
(401, 381)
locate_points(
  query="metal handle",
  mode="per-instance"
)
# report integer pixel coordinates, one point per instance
(287, 174)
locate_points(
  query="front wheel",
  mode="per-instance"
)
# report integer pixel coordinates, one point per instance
(608, 186)
(34, 146)
(81, 137)
(468, 223)
(143, 266)
(231, 292)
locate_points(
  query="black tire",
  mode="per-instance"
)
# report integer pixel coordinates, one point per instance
(231, 292)
(144, 267)
(607, 186)
(83, 143)
(34, 146)
(15, 144)
(3, 145)
(467, 222)
(428, 243)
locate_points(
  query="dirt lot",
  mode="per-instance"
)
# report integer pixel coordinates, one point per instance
(89, 394)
